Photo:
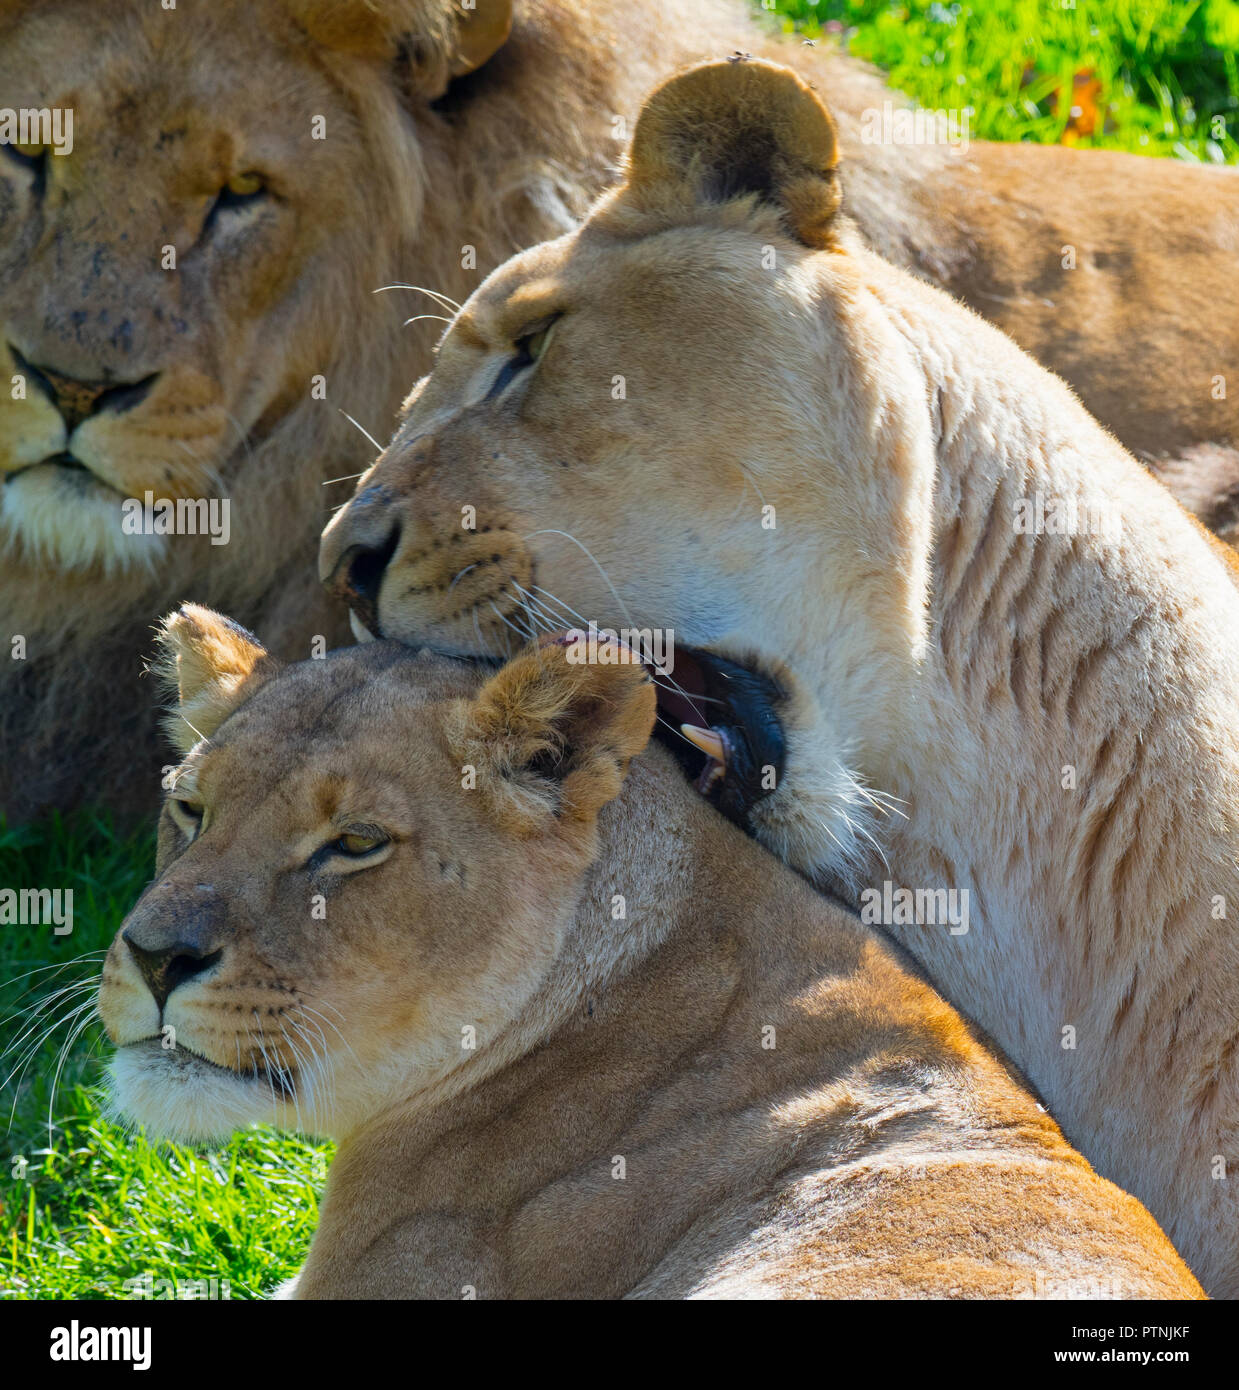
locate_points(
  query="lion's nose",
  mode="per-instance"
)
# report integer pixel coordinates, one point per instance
(353, 566)
(78, 400)
(165, 967)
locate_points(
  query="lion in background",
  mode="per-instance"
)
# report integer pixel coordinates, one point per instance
(452, 138)
(795, 1114)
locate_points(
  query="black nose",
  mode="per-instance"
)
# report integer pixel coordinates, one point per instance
(165, 967)
(78, 400)
(358, 577)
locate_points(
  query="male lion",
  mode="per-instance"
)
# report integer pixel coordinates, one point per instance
(920, 579)
(186, 295)
(569, 1048)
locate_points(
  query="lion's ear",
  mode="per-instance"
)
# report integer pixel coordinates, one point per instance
(551, 735)
(480, 33)
(213, 665)
(723, 130)
(433, 41)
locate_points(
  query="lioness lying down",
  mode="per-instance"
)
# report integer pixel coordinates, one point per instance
(568, 1048)
(951, 640)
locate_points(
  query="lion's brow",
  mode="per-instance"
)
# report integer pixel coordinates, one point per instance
(466, 331)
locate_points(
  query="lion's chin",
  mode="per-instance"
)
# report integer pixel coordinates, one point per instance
(180, 1096)
(66, 518)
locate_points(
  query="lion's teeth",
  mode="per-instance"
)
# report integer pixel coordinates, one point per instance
(360, 631)
(708, 741)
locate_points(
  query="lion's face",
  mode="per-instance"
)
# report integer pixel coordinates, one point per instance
(679, 418)
(364, 871)
(172, 281)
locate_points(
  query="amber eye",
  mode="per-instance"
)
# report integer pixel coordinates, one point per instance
(247, 185)
(355, 846)
(30, 151)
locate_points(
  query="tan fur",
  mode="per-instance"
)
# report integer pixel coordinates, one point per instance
(930, 650)
(163, 103)
(796, 1115)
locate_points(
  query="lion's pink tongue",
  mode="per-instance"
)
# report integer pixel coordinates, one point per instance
(714, 745)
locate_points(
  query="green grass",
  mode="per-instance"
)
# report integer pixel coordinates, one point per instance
(84, 1206)
(1168, 71)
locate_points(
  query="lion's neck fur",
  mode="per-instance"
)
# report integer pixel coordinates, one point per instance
(1077, 768)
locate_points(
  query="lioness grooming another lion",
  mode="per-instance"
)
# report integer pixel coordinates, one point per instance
(187, 298)
(712, 411)
(725, 1086)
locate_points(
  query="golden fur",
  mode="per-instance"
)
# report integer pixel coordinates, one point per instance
(816, 468)
(281, 292)
(490, 1039)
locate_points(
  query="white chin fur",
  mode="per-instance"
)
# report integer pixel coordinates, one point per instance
(179, 1097)
(822, 820)
(70, 521)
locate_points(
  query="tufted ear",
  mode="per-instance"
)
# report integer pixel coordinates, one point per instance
(433, 41)
(213, 664)
(723, 130)
(551, 735)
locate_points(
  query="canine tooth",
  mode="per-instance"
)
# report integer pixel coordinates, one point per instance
(708, 741)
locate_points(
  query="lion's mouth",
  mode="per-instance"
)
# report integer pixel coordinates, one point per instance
(281, 1081)
(64, 459)
(721, 720)
(68, 467)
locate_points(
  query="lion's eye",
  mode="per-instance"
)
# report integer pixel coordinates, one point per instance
(247, 185)
(187, 815)
(240, 192)
(357, 846)
(529, 349)
(364, 845)
(531, 346)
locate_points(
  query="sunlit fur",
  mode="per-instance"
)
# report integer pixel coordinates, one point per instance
(283, 291)
(941, 657)
(798, 1115)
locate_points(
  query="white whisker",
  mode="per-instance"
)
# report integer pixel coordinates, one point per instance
(446, 300)
(364, 431)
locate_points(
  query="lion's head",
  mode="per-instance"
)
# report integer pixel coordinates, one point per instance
(362, 856)
(181, 243)
(188, 311)
(648, 422)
